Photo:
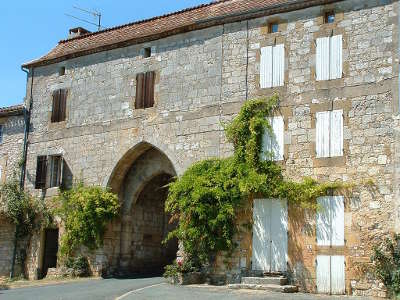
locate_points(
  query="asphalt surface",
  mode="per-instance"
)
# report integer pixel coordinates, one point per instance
(144, 288)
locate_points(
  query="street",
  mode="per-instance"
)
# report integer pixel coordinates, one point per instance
(145, 288)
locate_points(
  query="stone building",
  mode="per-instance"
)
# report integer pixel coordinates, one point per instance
(11, 148)
(131, 107)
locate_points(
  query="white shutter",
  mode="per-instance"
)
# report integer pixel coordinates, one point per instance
(323, 274)
(336, 138)
(322, 58)
(278, 139)
(261, 234)
(266, 143)
(324, 232)
(338, 283)
(336, 60)
(278, 65)
(337, 220)
(266, 67)
(322, 133)
(279, 228)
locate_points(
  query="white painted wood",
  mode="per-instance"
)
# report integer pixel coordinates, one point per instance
(261, 235)
(336, 60)
(266, 143)
(323, 274)
(324, 231)
(336, 138)
(322, 58)
(338, 283)
(279, 229)
(322, 134)
(266, 67)
(337, 220)
(278, 65)
(277, 141)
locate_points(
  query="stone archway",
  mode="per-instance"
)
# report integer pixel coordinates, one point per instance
(140, 180)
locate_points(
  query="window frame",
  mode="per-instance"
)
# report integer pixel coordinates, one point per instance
(329, 57)
(271, 58)
(145, 85)
(331, 134)
(279, 141)
(59, 106)
(45, 169)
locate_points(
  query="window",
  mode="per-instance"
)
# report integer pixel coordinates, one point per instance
(330, 221)
(61, 71)
(58, 112)
(145, 90)
(49, 171)
(329, 133)
(273, 141)
(329, 17)
(329, 58)
(272, 66)
(1, 134)
(273, 27)
(147, 52)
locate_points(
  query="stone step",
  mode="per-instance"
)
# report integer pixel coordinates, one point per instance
(265, 280)
(265, 287)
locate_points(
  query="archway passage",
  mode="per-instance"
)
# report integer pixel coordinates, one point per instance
(150, 227)
(141, 180)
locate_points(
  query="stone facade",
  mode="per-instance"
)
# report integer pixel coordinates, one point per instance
(202, 79)
(11, 149)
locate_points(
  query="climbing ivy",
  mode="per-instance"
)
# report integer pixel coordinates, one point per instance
(85, 212)
(207, 197)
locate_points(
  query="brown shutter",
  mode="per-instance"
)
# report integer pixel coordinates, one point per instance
(140, 91)
(41, 172)
(55, 106)
(63, 104)
(149, 98)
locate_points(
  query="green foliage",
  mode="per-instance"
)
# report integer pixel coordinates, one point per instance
(386, 258)
(19, 207)
(85, 211)
(209, 194)
(80, 265)
(173, 270)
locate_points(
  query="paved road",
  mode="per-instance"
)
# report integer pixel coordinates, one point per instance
(145, 288)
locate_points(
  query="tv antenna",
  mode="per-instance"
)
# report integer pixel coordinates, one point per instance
(93, 13)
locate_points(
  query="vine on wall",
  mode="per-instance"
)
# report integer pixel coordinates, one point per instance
(207, 197)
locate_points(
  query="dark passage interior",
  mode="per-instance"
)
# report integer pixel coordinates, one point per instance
(50, 250)
(150, 226)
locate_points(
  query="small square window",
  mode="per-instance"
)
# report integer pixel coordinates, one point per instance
(147, 52)
(61, 71)
(329, 17)
(273, 27)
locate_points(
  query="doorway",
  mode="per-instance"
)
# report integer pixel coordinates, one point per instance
(50, 250)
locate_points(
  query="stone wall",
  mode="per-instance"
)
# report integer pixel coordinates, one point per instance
(203, 78)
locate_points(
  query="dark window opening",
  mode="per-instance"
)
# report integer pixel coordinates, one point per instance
(49, 170)
(1, 134)
(58, 112)
(144, 90)
(273, 27)
(61, 71)
(147, 52)
(329, 17)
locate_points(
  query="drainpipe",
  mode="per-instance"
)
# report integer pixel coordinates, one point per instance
(27, 113)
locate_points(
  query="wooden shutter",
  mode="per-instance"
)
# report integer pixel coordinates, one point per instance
(278, 233)
(336, 133)
(266, 67)
(140, 90)
(277, 142)
(278, 68)
(337, 220)
(1, 134)
(261, 235)
(322, 58)
(324, 232)
(338, 283)
(323, 274)
(149, 93)
(266, 142)
(63, 105)
(322, 142)
(41, 172)
(55, 113)
(336, 59)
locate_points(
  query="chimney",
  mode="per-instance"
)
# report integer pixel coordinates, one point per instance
(78, 31)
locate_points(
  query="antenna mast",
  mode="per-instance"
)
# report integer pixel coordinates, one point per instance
(94, 13)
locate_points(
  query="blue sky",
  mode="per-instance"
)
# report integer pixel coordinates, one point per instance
(29, 29)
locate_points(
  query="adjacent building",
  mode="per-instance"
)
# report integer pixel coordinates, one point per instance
(133, 106)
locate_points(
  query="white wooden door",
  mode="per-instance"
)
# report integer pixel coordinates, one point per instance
(270, 235)
(331, 274)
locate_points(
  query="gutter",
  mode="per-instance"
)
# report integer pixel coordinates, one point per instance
(290, 5)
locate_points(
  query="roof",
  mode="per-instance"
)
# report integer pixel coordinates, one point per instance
(12, 110)
(199, 17)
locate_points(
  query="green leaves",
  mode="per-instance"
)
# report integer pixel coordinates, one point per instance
(86, 211)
